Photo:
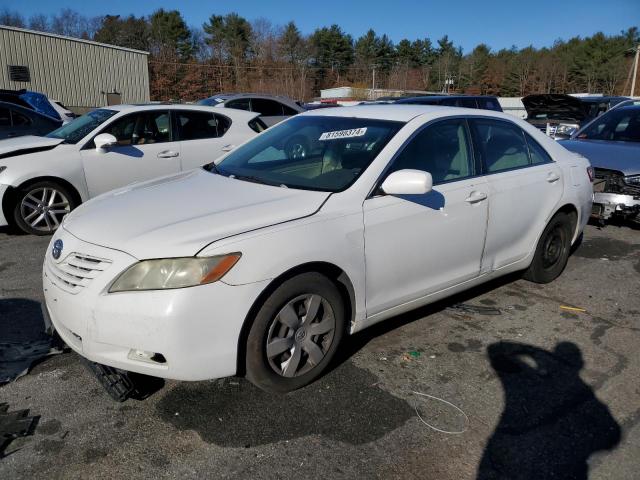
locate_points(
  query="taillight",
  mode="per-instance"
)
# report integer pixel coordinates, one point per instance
(590, 173)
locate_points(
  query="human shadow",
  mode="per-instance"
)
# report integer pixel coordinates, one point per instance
(433, 199)
(552, 421)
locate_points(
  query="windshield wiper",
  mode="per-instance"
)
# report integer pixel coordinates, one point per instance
(250, 178)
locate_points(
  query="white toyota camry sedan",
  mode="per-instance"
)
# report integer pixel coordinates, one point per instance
(44, 178)
(262, 262)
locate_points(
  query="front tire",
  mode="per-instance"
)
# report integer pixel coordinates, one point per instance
(40, 207)
(552, 251)
(295, 333)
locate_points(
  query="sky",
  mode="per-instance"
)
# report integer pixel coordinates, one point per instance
(498, 23)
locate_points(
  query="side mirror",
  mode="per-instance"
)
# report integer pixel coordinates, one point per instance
(104, 141)
(408, 182)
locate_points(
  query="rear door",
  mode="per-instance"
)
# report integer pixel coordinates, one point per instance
(525, 184)
(146, 149)
(203, 137)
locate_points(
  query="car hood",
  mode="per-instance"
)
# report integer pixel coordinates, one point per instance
(179, 215)
(28, 144)
(557, 106)
(621, 156)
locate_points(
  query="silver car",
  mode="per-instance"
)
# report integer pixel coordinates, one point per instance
(611, 143)
(272, 108)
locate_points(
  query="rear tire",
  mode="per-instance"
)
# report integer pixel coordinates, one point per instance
(552, 251)
(40, 207)
(288, 349)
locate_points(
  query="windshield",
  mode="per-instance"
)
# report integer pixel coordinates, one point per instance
(321, 153)
(79, 128)
(620, 124)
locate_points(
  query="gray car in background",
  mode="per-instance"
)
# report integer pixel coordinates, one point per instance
(272, 108)
(611, 143)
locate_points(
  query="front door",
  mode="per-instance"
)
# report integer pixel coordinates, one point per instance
(416, 245)
(146, 149)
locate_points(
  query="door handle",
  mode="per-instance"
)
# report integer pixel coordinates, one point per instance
(553, 177)
(168, 154)
(228, 148)
(476, 197)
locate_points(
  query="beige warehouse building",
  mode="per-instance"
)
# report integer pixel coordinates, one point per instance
(79, 73)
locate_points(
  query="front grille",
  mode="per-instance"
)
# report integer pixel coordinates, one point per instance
(76, 271)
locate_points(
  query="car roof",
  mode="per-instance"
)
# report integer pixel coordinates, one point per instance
(428, 98)
(401, 112)
(181, 106)
(280, 98)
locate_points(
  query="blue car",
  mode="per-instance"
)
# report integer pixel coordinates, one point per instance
(35, 101)
(611, 143)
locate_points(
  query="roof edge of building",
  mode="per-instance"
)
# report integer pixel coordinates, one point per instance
(73, 39)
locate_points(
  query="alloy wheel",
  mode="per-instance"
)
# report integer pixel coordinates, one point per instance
(44, 208)
(300, 335)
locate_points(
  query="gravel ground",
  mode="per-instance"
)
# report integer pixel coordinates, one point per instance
(546, 392)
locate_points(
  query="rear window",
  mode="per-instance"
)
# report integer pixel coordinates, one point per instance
(195, 125)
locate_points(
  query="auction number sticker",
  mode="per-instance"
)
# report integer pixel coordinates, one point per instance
(351, 133)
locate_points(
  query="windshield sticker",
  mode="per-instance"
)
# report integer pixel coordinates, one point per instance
(353, 132)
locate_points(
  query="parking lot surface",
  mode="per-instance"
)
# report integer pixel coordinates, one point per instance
(545, 378)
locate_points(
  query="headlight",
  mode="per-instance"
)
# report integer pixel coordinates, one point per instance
(632, 180)
(567, 129)
(168, 273)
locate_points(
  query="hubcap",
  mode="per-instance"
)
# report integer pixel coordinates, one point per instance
(300, 335)
(43, 209)
(553, 247)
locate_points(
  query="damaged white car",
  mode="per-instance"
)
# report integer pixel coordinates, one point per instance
(612, 144)
(261, 263)
(43, 178)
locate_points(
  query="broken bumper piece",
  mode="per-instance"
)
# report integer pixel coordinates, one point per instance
(606, 205)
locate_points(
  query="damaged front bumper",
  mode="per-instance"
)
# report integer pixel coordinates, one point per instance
(612, 197)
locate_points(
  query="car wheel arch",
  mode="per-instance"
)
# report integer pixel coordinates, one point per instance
(572, 211)
(337, 275)
(9, 199)
(568, 209)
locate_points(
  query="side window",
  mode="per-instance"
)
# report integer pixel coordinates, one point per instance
(239, 104)
(5, 117)
(288, 110)
(501, 144)
(538, 154)
(468, 102)
(489, 104)
(193, 125)
(19, 119)
(266, 108)
(442, 149)
(141, 128)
